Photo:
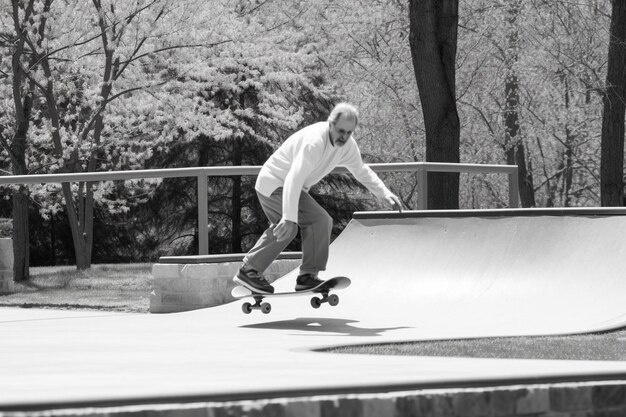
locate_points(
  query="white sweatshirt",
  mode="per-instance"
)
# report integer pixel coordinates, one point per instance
(304, 159)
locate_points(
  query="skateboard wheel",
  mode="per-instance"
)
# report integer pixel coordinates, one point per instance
(333, 299)
(266, 308)
(316, 302)
(246, 308)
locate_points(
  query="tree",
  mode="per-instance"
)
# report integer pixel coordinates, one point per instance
(557, 66)
(614, 106)
(514, 146)
(25, 18)
(231, 105)
(433, 41)
(125, 34)
(78, 80)
(370, 62)
(565, 62)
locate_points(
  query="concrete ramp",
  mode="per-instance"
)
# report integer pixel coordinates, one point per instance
(487, 273)
(415, 276)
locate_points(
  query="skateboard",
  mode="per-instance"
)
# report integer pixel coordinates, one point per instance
(336, 283)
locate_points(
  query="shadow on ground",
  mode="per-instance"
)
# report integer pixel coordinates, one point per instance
(323, 325)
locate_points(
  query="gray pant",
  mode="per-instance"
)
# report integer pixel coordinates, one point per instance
(315, 224)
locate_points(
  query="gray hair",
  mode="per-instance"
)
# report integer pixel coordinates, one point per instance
(345, 110)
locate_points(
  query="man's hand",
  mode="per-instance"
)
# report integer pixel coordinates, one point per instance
(284, 229)
(394, 202)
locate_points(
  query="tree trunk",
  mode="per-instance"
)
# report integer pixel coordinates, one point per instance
(612, 153)
(23, 102)
(568, 155)
(21, 240)
(526, 187)
(75, 227)
(568, 178)
(80, 218)
(53, 240)
(515, 148)
(89, 214)
(433, 41)
(514, 144)
(84, 204)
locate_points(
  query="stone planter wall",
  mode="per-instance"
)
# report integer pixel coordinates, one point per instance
(6, 266)
(601, 399)
(183, 287)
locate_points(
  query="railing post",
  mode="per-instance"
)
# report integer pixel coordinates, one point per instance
(422, 188)
(203, 214)
(514, 189)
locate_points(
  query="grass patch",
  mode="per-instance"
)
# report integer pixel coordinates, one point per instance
(609, 346)
(112, 287)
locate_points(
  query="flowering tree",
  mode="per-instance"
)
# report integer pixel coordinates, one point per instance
(232, 106)
(15, 121)
(123, 82)
(530, 89)
(79, 58)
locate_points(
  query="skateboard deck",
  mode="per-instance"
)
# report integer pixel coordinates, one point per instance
(324, 289)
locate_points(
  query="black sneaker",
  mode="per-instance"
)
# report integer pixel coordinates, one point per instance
(307, 281)
(253, 281)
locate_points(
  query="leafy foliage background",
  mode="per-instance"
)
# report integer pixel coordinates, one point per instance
(204, 83)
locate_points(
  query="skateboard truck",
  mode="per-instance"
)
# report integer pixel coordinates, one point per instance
(332, 299)
(258, 305)
(316, 302)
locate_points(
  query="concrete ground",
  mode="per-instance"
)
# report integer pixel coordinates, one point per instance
(416, 276)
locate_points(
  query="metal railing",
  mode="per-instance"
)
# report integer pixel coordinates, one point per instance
(202, 174)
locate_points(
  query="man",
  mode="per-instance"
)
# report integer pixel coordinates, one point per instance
(282, 187)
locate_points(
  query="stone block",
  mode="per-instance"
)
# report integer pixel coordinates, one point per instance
(471, 404)
(7, 285)
(565, 414)
(229, 411)
(184, 287)
(6, 266)
(379, 407)
(266, 410)
(303, 409)
(343, 407)
(414, 406)
(612, 412)
(443, 404)
(608, 396)
(426, 405)
(503, 401)
(570, 398)
(179, 410)
(533, 401)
